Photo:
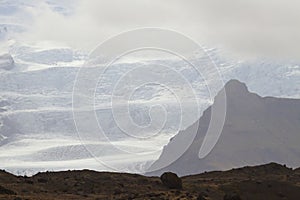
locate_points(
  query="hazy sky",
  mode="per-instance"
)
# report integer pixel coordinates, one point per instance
(252, 28)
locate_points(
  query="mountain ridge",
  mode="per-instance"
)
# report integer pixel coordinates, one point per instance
(257, 130)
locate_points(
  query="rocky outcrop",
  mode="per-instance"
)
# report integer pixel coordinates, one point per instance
(257, 182)
(171, 180)
(3, 190)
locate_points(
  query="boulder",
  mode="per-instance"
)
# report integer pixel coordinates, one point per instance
(171, 180)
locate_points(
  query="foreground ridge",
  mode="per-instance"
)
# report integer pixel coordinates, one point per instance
(269, 181)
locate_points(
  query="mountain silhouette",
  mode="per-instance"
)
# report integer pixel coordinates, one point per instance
(257, 130)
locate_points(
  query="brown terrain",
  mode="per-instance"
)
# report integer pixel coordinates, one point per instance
(270, 181)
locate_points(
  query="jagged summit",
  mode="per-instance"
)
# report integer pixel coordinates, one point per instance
(235, 85)
(237, 92)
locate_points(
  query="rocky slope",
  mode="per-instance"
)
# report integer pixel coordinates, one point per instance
(271, 181)
(257, 130)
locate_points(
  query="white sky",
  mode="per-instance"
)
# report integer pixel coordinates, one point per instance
(251, 28)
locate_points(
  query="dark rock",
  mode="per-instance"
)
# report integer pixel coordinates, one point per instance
(171, 180)
(232, 196)
(3, 190)
(42, 180)
(177, 192)
(29, 182)
(204, 194)
(281, 195)
(117, 192)
(201, 197)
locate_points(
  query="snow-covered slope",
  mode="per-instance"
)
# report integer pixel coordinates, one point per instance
(6, 62)
(269, 78)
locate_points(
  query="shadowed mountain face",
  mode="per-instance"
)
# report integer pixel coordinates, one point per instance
(257, 130)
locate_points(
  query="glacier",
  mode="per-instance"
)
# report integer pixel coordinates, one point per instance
(36, 123)
(37, 128)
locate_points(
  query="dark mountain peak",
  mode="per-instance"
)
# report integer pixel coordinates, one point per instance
(254, 128)
(235, 87)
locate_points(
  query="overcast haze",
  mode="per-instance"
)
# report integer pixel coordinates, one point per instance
(246, 28)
